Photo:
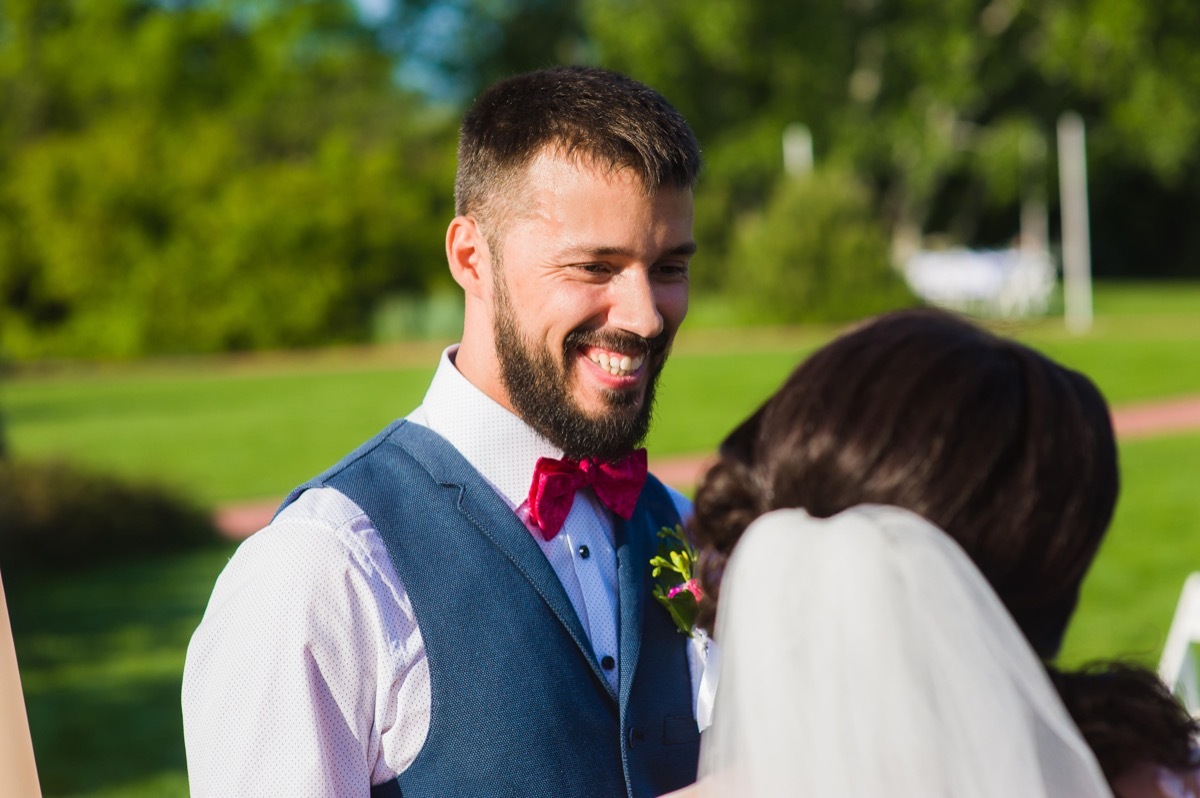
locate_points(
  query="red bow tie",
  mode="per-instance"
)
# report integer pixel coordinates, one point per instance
(617, 484)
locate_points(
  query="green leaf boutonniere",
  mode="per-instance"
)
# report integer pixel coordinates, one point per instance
(674, 586)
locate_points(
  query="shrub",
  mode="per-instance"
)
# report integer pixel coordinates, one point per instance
(57, 515)
(3, 435)
(816, 253)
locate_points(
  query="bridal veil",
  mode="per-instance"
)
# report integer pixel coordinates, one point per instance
(865, 655)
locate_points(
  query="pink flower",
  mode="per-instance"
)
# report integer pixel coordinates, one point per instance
(690, 585)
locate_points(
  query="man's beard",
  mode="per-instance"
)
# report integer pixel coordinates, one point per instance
(539, 390)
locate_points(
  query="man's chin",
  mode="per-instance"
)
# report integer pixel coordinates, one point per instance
(612, 403)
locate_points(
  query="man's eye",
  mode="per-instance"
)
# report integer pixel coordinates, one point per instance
(672, 270)
(594, 268)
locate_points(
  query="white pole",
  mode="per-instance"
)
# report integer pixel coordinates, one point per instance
(797, 150)
(1077, 256)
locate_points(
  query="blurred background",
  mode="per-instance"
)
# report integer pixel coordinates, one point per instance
(221, 267)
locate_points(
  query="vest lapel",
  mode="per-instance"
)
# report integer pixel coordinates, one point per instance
(632, 562)
(491, 516)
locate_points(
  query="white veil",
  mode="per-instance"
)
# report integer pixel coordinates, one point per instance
(865, 655)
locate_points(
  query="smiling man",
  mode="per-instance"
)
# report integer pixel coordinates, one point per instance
(462, 606)
(572, 336)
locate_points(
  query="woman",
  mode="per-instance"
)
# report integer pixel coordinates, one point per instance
(896, 541)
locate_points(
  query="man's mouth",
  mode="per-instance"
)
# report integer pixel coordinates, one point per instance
(617, 364)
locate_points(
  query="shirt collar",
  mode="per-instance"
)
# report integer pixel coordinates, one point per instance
(497, 443)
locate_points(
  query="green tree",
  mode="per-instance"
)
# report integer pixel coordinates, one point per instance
(946, 108)
(455, 48)
(815, 253)
(194, 178)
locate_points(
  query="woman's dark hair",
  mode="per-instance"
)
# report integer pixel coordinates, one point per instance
(1008, 452)
(1127, 716)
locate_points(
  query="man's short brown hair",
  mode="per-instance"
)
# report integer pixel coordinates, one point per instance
(603, 118)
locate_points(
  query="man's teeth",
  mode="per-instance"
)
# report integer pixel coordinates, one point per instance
(616, 364)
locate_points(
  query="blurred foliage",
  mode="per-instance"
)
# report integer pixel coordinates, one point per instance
(948, 109)
(60, 516)
(3, 433)
(453, 49)
(199, 175)
(191, 178)
(815, 254)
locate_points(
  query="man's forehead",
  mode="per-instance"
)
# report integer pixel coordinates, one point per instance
(538, 190)
(556, 162)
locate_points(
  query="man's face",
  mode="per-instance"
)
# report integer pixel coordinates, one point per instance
(591, 284)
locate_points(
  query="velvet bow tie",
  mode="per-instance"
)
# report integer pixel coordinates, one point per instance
(617, 483)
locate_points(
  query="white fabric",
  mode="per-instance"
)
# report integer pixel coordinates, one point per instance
(308, 669)
(1177, 666)
(865, 655)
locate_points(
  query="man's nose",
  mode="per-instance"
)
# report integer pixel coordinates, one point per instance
(635, 305)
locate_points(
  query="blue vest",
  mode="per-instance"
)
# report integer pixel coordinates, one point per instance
(520, 706)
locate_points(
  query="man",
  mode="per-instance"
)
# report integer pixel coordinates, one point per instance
(452, 610)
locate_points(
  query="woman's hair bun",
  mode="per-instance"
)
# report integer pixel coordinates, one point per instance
(727, 501)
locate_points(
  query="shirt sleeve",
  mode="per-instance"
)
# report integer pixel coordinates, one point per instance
(303, 663)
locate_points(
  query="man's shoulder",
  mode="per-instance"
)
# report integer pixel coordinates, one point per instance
(320, 539)
(403, 433)
(365, 449)
(320, 524)
(320, 507)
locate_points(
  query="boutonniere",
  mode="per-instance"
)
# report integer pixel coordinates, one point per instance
(674, 586)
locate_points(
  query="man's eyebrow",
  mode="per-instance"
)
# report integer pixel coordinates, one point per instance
(688, 248)
(683, 249)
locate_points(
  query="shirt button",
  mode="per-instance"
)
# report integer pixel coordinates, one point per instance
(584, 552)
(608, 663)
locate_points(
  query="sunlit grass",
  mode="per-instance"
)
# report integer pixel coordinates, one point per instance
(222, 437)
(228, 431)
(1154, 543)
(101, 654)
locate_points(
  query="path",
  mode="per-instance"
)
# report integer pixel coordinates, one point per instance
(237, 521)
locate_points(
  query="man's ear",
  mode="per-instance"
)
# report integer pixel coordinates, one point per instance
(469, 257)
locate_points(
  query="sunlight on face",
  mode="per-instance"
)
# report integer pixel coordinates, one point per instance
(590, 288)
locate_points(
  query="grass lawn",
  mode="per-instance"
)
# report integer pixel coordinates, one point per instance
(221, 429)
(1154, 543)
(253, 428)
(101, 651)
(230, 433)
(101, 655)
